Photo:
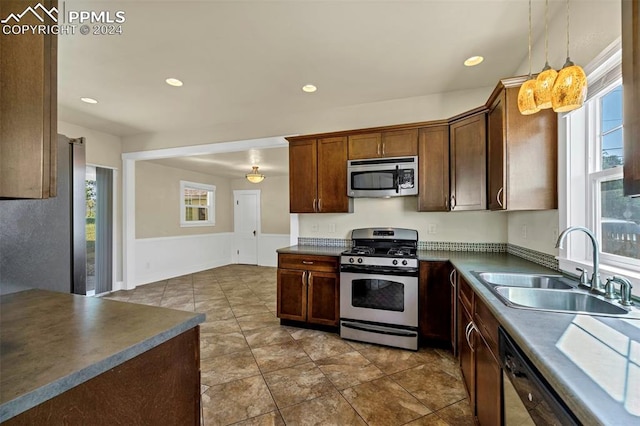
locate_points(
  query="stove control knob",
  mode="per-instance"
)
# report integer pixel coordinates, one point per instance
(351, 260)
(404, 262)
(359, 260)
(395, 261)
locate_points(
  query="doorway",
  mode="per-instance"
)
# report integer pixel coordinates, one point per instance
(246, 225)
(99, 229)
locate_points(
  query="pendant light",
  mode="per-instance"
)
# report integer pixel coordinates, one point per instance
(254, 176)
(526, 100)
(546, 78)
(570, 88)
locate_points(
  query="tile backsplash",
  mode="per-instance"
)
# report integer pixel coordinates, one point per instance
(534, 256)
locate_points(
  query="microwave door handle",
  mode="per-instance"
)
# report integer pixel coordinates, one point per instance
(397, 179)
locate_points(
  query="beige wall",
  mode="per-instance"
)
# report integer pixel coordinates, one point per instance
(274, 202)
(158, 201)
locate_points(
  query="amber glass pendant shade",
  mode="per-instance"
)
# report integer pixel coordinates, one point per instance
(570, 89)
(544, 84)
(526, 98)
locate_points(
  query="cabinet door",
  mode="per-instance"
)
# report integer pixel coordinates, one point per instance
(28, 102)
(434, 294)
(400, 143)
(496, 154)
(433, 169)
(303, 176)
(292, 294)
(367, 145)
(465, 353)
(488, 385)
(468, 163)
(332, 176)
(631, 88)
(324, 299)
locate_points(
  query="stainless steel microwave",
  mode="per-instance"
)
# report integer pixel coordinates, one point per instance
(382, 177)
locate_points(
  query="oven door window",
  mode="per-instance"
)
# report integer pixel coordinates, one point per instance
(379, 294)
(373, 180)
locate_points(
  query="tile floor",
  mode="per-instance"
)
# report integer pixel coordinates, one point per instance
(257, 372)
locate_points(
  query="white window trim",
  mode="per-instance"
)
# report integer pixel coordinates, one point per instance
(211, 205)
(575, 207)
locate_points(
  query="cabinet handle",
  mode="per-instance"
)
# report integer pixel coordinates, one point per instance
(470, 327)
(500, 191)
(319, 205)
(379, 143)
(306, 262)
(383, 148)
(446, 202)
(451, 275)
(304, 274)
(315, 202)
(453, 202)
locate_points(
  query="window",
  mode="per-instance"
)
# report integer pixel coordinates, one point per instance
(593, 177)
(197, 204)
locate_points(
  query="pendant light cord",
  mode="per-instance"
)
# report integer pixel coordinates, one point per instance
(529, 38)
(567, 30)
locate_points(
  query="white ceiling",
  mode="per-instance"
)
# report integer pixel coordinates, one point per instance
(242, 59)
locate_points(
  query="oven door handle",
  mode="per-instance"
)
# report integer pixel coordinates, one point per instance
(401, 333)
(373, 270)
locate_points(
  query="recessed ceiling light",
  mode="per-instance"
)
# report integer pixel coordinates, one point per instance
(173, 82)
(89, 100)
(473, 61)
(309, 88)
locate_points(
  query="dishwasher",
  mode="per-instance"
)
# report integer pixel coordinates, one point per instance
(527, 398)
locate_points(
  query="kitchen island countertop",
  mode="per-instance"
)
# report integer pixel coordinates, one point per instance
(51, 342)
(592, 362)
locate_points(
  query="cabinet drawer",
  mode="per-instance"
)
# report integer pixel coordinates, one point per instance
(308, 262)
(487, 324)
(465, 294)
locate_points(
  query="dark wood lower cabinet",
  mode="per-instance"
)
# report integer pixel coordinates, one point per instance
(323, 303)
(158, 387)
(488, 384)
(435, 306)
(466, 354)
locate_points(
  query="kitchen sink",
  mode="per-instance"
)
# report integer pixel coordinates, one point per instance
(525, 280)
(559, 301)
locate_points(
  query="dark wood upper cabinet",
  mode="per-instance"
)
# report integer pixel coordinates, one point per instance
(522, 153)
(28, 108)
(467, 145)
(396, 143)
(318, 176)
(631, 95)
(433, 169)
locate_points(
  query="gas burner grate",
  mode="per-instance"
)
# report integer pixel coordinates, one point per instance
(361, 250)
(401, 251)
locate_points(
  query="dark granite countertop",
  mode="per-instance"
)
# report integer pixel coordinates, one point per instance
(592, 362)
(313, 250)
(51, 342)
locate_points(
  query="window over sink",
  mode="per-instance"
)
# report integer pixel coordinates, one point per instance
(593, 176)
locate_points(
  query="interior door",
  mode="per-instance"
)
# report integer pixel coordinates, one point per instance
(246, 225)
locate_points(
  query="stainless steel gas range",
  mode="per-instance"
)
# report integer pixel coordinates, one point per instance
(379, 287)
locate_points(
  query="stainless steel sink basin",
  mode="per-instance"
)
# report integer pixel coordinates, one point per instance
(524, 280)
(558, 301)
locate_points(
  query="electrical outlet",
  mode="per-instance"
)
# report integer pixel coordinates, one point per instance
(523, 231)
(332, 228)
(432, 228)
(315, 227)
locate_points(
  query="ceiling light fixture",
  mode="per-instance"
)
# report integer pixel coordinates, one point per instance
(173, 82)
(526, 101)
(570, 89)
(254, 176)
(473, 61)
(309, 88)
(89, 100)
(546, 78)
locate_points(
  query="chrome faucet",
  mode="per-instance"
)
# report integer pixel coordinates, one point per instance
(596, 284)
(625, 290)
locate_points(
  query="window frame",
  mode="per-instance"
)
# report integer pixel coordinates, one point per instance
(580, 175)
(211, 204)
